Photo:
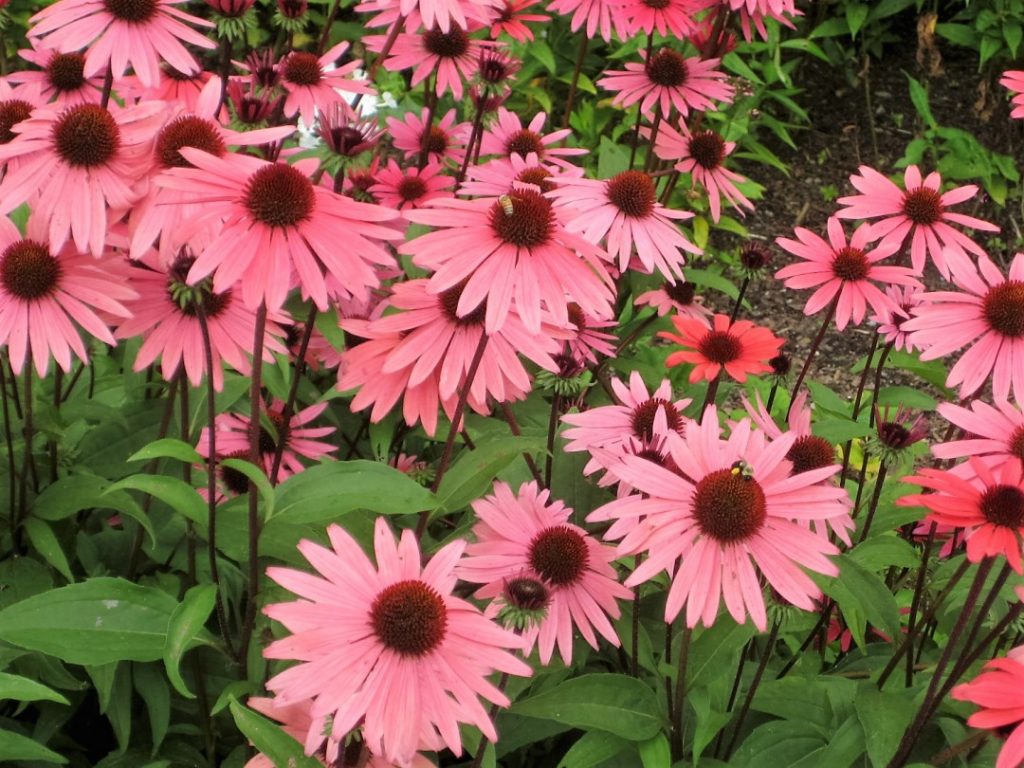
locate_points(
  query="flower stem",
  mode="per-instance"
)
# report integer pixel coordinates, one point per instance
(709, 396)
(431, 99)
(108, 85)
(581, 54)
(478, 758)
(749, 698)
(328, 23)
(549, 456)
(634, 632)
(876, 494)
(856, 404)
(513, 425)
(649, 160)
(679, 703)
(28, 433)
(293, 389)
(814, 350)
(474, 134)
(11, 471)
(739, 300)
(389, 43)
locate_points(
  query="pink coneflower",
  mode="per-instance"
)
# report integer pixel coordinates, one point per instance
(166, 314)
(512, 248)
(587, 340)
(299, 439)
(668, 17)
(702, 155)
(843, 270)
(123, 33)
(452, 55)
(530, 534)
(918, 212)
(181, 88)
(77, 163)
(507, 136)
(989, 317)
(510, 20)
(410, 187)
(668, 79)
(446, 141)
(314, 86)
(899, 309)
(47, 293)
(445, 14)
(999, 691)
(624, 212)
(60, 78)
(679, 297)
(734, 501)
(994, 434)
(504, 174)
(740, 348)
(989, 506)
(592, 15)
(388, 646)
(1013, 80)
(276, 220)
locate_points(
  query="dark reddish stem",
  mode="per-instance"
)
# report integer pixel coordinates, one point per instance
(814, 351)
(293, 390)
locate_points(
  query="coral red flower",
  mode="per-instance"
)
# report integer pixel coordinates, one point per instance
(135, 33)
(740, 348)
(510, 20)
(733, 509)
(989, 507)
(989, 317)
(388, 646)
(848, 271)
(46, 293)
(314, 84)
(999, 691)
(275, 220)
(529, 534)
(918, 212)
(668, 79)
(512, 248)
(1013, 80)
(410, 187)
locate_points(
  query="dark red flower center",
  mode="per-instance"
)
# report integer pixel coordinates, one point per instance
(923, 205)
(523, 142)
(66, 71)
(449, 303)
(755, 256)
(667, 68)
(302, 68)
(133, 11)
(633, 193)
(28, 271)
(539, 177)
(708, 149)
(729, 505)
(1016, 445)
(781, 364)
(1004, 308)
(411, 188)
(409, 617)
(292, 9)
(811, 452)
(526, 594)
(850, 264)
(894, 435)
(12, 112)
(680, 292)
(279, 195)
(523, 218)
(657, 5)
(720, 347)
(235, 481)
(437, 141)
(576, 315)
(494, 69)
(446, 45)
(187, 131)
(1003, 505)
(559, 555)
(642, 418)
(86, 135)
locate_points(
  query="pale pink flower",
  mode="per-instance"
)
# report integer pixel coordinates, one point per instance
(507, 136)
(918, 212)
(899, 309)
(388, 646)
(668, 79)
(847, 271)
(1013, 80)
(315, 85)
(999, 691)
(733, 509)
(121, 34)
(592, 16)
(410, 187)
(529, 533)
(446, 141)
(679, 297)
(60, 78)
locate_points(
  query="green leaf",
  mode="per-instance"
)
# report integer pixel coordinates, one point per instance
(909, 397)
(960, 34)
(856, 15)
(542, 53)
(43, 539)
(655, 752)
(840, 430)
(98, 621)
(618, 704)
(862, 595)
(69, 495)
(884, 551)
(14, 746)
(269, 739)
(885, 715)
(172, 491)
(714, 648)
(831, 28)
(17, 688)
(185, 624)
(154, 691)
(779, 742)
(259, 479)
(919, 98)
(472, 474)
(612, 158)
(168, 448)
(592, 749)
(797, 699)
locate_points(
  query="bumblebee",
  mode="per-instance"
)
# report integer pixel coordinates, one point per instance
(742, 469)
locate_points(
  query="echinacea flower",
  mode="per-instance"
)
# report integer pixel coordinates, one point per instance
(740, 348)
(899, 309)
(587, 340)
(451, 56)
(530, 533)
(47, 293)
(410, 187)
(388, 646)
(702, 155)
(276, 221)
(512, 248)
(123, 33)
(989, 506)
(510, 19)
(76, 164)
(446, 140)
(917, 214)
(678, 297)
(733, 510)
(60, 78)
(1013, 80)
(668, 79)
(999, 692)
(992, 433)
(667, 17)
(315, 85)
(846, 273)
(592, 16)
(989, 317)
(500, 175)
(625, 214)
(508, 136)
